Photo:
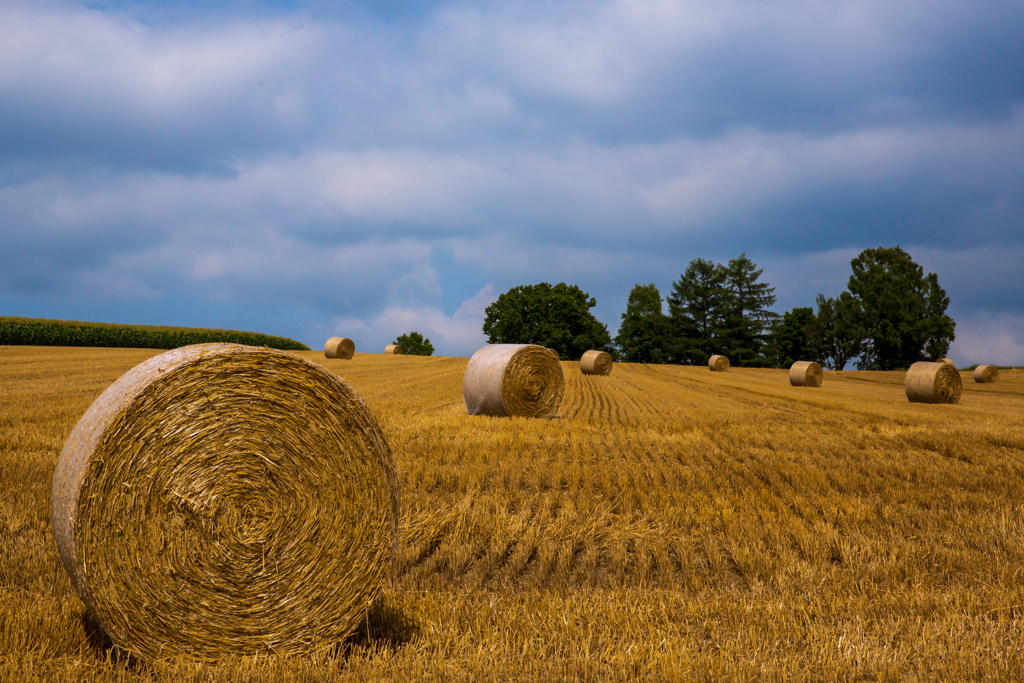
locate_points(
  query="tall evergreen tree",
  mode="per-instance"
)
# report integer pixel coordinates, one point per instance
(747, 319)
(697, 306)
(644, 332)
(795, 337)
(903, 311)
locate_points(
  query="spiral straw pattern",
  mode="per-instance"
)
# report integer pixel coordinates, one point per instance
(339, 347)
(718, 363)
(223, 499)
(596, 363)
(983, 374)
(933, 383)
(518, 380)
(805, 373)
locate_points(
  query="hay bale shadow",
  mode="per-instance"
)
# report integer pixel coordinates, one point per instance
(385, 625)
(97, 638)
(102, 646)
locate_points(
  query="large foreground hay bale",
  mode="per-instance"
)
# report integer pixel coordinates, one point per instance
(596, 363)
(339, 347)
(933, 383)
(947, 361)
(222, 499)
(520, 380)
(983, 374)
(393, 350)
(553, 352)
(804, 373)
(718, 363)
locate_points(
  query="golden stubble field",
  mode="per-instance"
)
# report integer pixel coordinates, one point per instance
(671, 523)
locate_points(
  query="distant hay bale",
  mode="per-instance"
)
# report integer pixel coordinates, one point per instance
(933, 383)
(393, 350)
(596, 363)
(948, 361)
(983, 374)
(220, 499)
(518, 380)
(718, 363)
(339, 347)
(804, 373)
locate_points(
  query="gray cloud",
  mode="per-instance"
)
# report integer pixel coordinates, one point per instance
(377, 164)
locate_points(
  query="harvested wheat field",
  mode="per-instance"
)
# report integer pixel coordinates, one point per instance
(670, 523)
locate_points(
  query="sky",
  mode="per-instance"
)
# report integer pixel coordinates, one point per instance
(365, 169)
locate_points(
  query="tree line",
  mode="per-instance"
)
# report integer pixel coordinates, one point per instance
(892, 315)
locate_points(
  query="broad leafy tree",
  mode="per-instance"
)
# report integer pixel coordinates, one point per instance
(413, 344)
(903, 311)
(556, 316)
(645, 330)
(839, 333)
(747, 320)
(697, 308)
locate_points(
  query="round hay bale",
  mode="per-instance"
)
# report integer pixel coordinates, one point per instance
(596, 363)
(933, 383)
(393, 350)
(948, 361)
(553, 353)
(718, 363)
(339, 347)
(518, 380)
(983, 374)
(222, 499)
(805, 373)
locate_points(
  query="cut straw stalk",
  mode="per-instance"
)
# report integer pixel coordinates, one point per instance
(933, 383)
(983, 374)
(596, 363)
(339, 347)
(518, 380)
(718, 363)
(805, 373)
(221, 499)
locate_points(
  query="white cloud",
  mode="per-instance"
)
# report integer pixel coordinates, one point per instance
(460, 334)
(477, 305)
(89, 64)
(248, 161)
(989, 338)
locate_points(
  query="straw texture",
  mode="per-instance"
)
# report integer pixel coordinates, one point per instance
(804, 373)
(948, 361)
(339, 347)
(596, 363)
(518, 380)
(223, 499)
(393, 350)
(933, 383)
(718, 363)
(983, 374)
(553, 353)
